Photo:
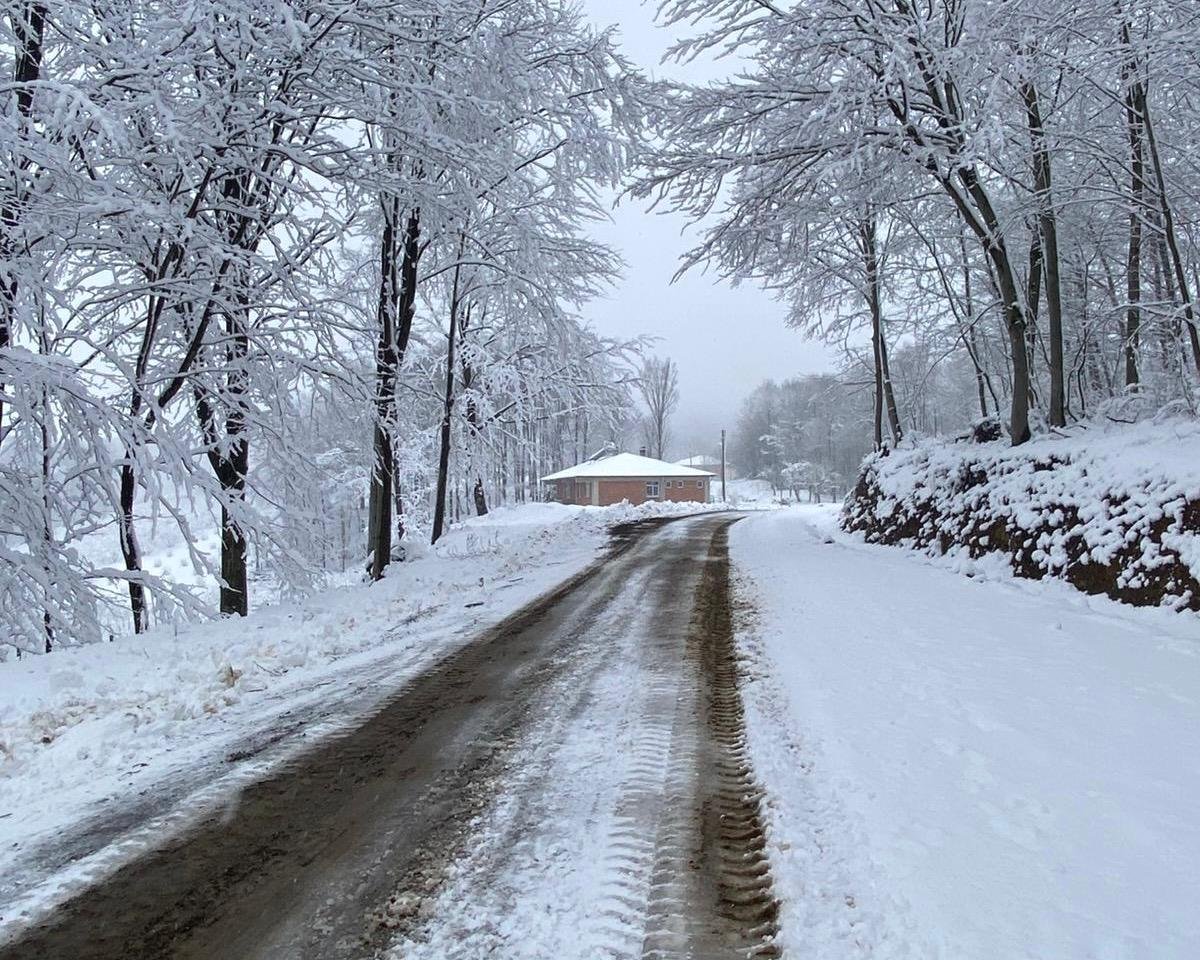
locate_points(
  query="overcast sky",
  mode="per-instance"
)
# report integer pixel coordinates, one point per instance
(725, 340)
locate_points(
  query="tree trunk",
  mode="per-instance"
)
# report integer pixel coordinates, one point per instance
(130, 548)
(230, 464)
(885, 397)
(1019, 414)
(981, 217)
(1033, 297)
(229, 455)
(1172, 334)
(235, 586)
(478, 491)
(1054, 316)
(1033, 284)
(235, 457)
(235, 592)
(889, 394)
(1135, 113)
(229, 458)
(878, 412)
(970, 339)
(379, 522)
(47, 499)
(443, 476)
(1048, 229)
(1189, 312)
(397, 301)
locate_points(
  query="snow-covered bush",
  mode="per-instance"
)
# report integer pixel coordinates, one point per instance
(1113, 511)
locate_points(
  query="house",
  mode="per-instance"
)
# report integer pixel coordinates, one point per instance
(627, 476)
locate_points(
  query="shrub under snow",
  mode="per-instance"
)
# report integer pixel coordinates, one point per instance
(1113, 510)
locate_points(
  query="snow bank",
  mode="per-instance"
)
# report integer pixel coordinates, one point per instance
(155, 715)
(965, 770)
(1112, 511)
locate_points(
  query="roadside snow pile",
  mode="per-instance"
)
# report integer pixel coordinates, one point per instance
(106, 722)
(548, 514)
(1112, 511)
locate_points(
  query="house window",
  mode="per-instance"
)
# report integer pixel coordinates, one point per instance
(652, 488)
(699, 484)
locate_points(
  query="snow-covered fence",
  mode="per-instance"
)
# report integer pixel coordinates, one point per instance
(1113, 512)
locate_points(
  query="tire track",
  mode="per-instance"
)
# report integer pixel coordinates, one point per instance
(575, 779)
(620, 922)
(712, 895)
(682, 863)
(733, 824)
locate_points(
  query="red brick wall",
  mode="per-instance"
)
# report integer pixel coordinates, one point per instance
(688, 493)
(614, 491)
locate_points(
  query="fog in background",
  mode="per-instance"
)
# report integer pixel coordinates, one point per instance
(725, 340)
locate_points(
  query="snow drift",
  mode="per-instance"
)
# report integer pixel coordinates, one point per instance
(1113, 511)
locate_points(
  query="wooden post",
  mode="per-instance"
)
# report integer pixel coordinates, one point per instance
(723, 498)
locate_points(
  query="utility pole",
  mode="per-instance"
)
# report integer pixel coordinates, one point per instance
(723, 498)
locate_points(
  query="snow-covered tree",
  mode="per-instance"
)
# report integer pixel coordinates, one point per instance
(1026, 164)
(295, 272)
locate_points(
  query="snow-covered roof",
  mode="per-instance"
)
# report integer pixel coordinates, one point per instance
(699, 461)
(627, 465)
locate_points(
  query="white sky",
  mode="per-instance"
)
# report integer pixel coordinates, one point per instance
(725, 340)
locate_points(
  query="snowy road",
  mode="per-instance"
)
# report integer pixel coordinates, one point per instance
(572, 784)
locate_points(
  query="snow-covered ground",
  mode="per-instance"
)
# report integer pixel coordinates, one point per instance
(177, 719)
(966, 768)
(760, 495)
(750, 494)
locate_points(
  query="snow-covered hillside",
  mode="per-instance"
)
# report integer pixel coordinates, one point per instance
(966, 768)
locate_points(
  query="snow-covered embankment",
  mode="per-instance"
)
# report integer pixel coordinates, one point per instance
(1111, 511)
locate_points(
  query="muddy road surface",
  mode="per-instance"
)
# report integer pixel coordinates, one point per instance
(571, 784)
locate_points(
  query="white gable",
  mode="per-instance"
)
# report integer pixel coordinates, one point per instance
(626, 465)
